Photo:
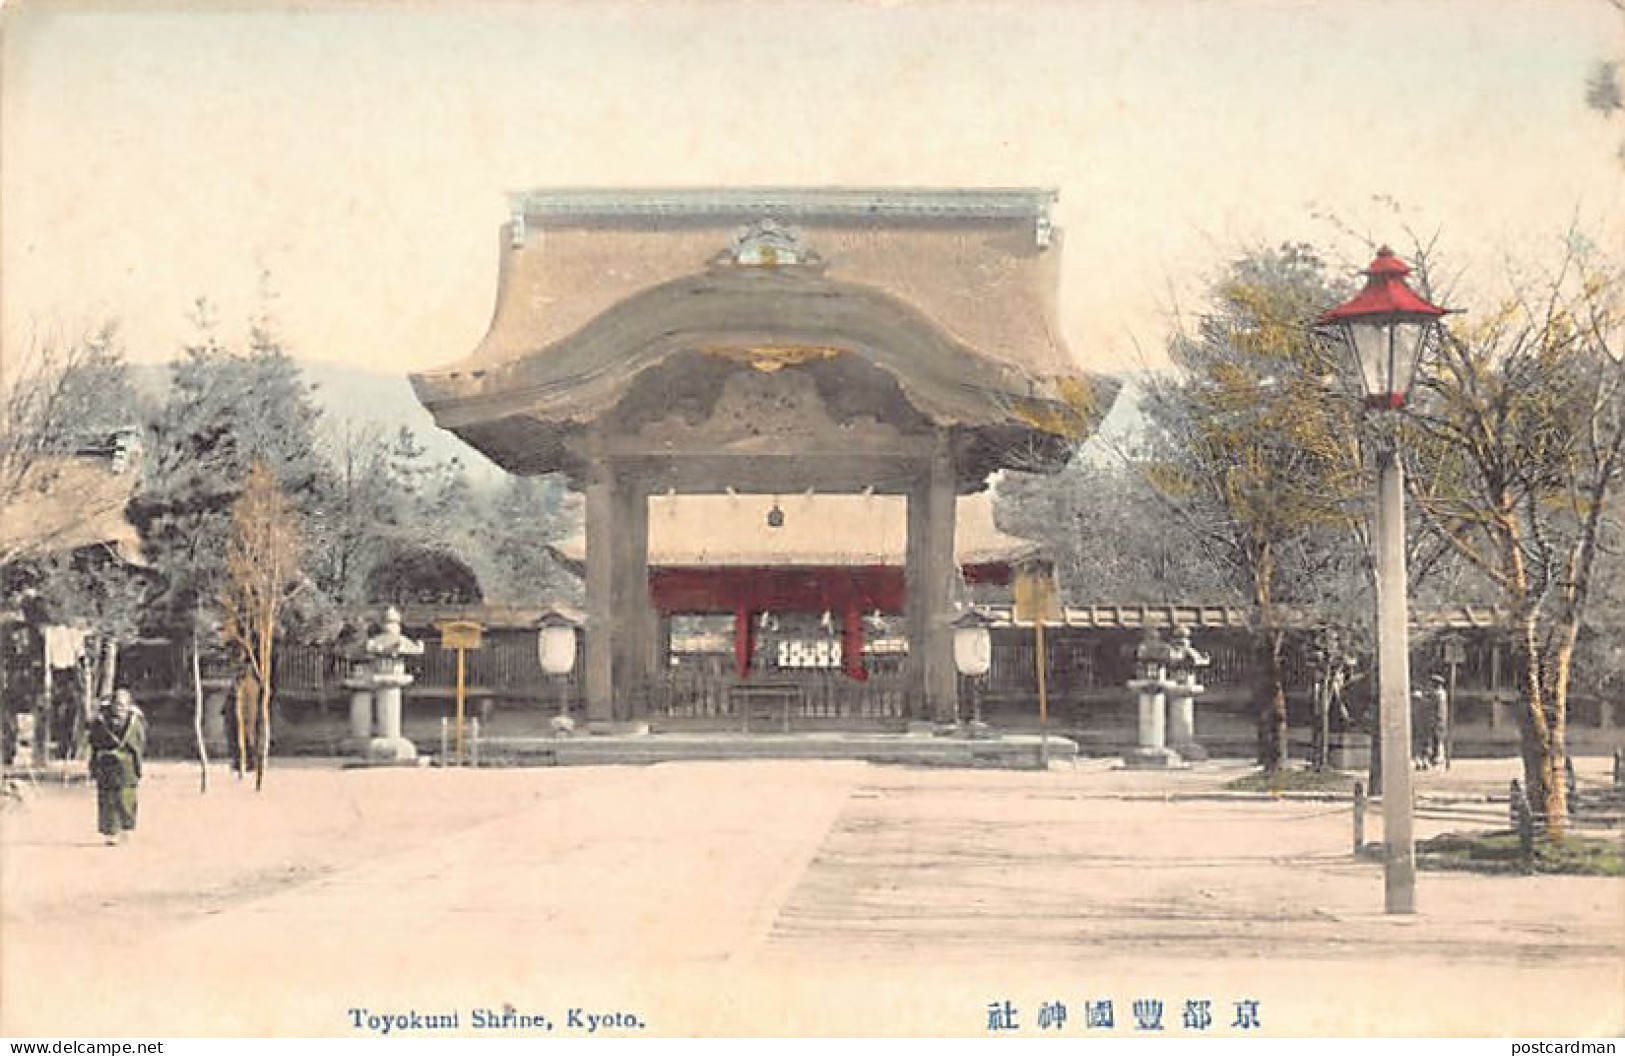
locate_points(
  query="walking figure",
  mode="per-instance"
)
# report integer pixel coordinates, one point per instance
(1435, 723)
(118, 738)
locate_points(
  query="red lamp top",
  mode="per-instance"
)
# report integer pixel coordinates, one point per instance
(1386, 294)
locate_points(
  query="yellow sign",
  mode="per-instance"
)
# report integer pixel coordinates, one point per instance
(460, 634)
(1035, 594)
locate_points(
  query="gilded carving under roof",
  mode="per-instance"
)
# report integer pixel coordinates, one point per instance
(770, 358)
(770, 412)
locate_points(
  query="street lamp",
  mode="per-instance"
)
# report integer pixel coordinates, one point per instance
(1385, 328)
(973, 656)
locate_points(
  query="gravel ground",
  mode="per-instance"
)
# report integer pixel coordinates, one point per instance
(779, 898)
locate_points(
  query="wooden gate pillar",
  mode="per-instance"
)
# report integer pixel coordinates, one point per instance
(633, 615)
(600, 630)
(929, 574)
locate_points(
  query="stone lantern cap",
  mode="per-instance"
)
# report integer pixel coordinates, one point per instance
(390, 642)
(1150, 662)
(560, 616)
(1184, 656)
(1152, 649)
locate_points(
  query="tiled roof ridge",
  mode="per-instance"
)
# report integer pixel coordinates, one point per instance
(785, 202)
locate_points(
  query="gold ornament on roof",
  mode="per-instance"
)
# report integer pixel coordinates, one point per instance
(766, 244)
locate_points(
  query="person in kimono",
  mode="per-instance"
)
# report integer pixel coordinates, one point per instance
(118, 739)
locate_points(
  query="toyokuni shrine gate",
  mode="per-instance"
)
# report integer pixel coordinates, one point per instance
(771, 399)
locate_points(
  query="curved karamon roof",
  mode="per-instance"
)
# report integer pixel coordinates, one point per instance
(951, 292)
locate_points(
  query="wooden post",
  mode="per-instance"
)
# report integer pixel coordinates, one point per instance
(1454, 654)
(1359, 817)
(462, 753)
(461, 635)
(1036, 600)
(1523, 819)
(42, 720)
(1043, 692)
(1450, 718)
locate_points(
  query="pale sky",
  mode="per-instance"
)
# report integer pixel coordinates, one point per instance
(361, 154)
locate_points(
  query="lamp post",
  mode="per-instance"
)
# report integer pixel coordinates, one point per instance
(973, 656)
(1385, 329)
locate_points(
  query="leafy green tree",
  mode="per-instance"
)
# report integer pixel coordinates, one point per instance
(526, 516)
(225, 411)
(1111, 535)
(1257, 454)
(447, 510)
(367, 514)
(410, 472)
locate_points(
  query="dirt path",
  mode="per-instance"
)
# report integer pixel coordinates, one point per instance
(795, 898)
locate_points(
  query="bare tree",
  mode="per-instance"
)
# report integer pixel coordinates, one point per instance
(262, 570)
(1520, 454)
(51, 397)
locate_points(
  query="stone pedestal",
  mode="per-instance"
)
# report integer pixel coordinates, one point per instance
(215, 701)
(1152, 752)
(1182, 721)
(359, 683)
(387, 743)
(1350, 751)
(360, 711)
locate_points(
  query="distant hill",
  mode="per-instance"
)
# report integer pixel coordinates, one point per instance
(361, 398)
(365, 397)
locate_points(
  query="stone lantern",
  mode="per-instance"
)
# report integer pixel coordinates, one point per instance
(1184, 662)
(973, 656)
(388, 651)
(1150, 682)
(556, 652)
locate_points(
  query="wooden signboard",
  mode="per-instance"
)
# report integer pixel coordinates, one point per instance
(1036, 598)
(461, 635)
(1038, 602)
